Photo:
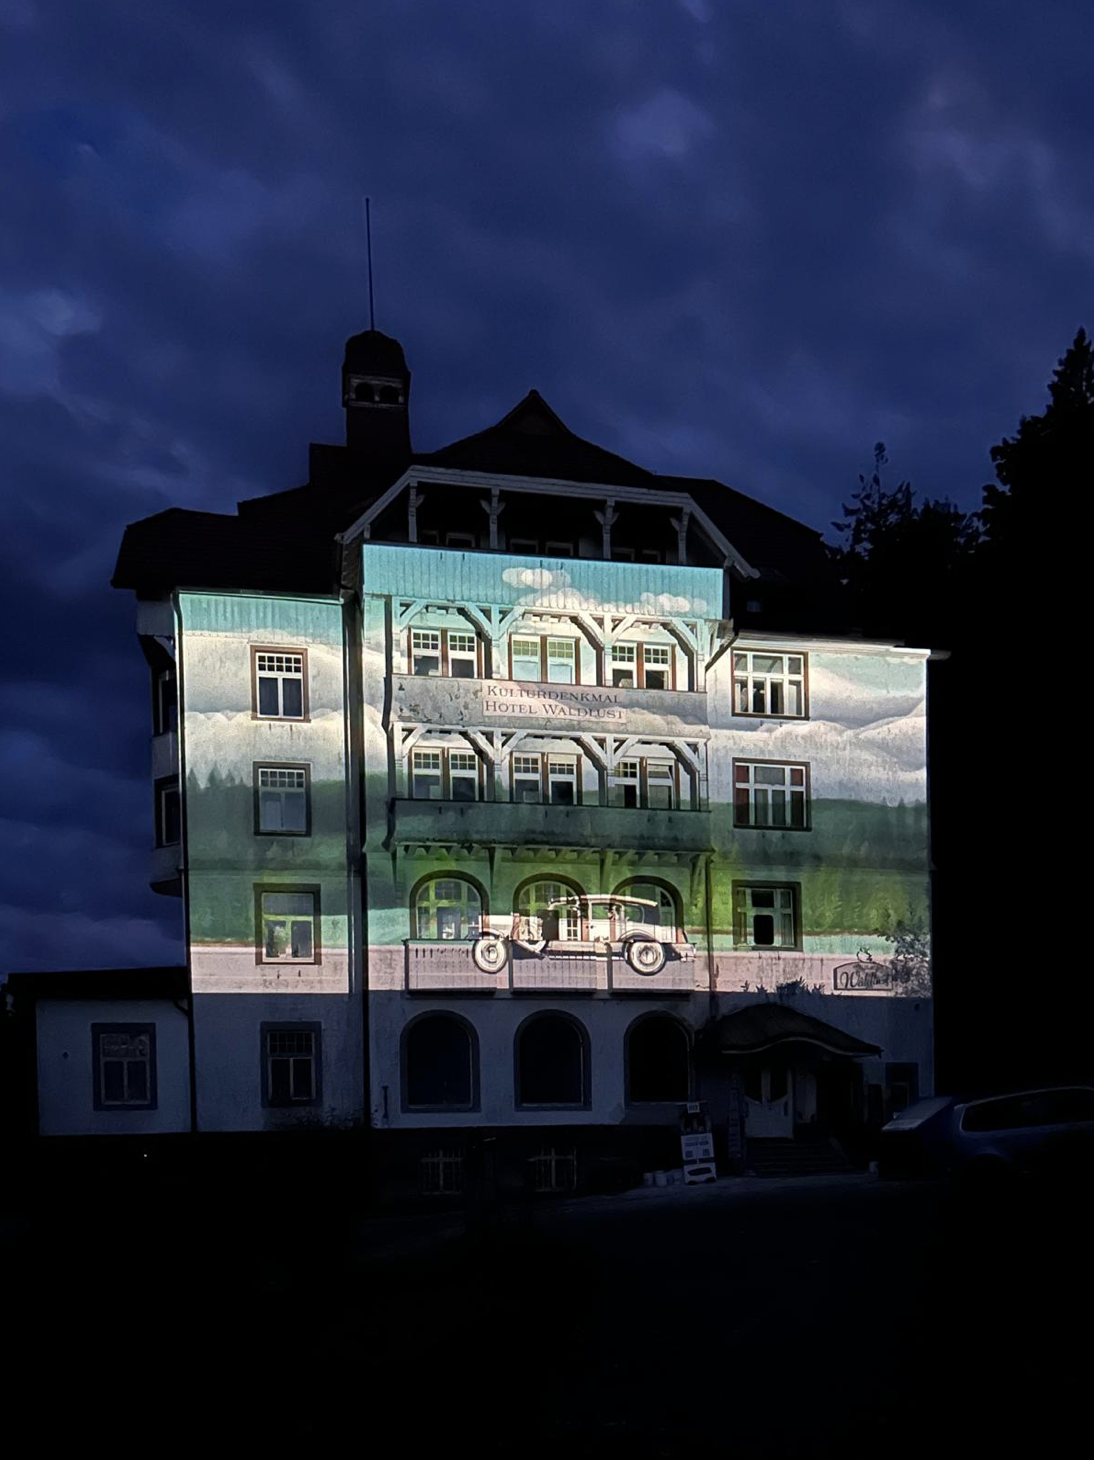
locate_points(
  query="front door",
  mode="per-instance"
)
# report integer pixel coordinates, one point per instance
(769, 1103)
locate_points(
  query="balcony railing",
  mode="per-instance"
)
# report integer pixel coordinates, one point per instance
(510, 823)
(449, 967)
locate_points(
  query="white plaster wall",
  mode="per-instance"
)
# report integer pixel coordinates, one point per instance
(66, 1101)
(228, 1051)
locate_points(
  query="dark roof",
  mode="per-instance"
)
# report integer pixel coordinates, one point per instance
(101, 983)
(531, 441)
(371, 353)
(760, 1027)
(253, 550)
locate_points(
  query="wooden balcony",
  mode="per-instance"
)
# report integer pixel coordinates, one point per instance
(576, 971)
(446, 967)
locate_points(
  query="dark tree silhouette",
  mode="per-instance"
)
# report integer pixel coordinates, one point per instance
(902, 564)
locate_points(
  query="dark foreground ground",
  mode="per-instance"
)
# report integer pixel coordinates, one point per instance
(834, 1316)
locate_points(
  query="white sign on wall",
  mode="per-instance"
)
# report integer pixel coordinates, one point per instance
(542, 703)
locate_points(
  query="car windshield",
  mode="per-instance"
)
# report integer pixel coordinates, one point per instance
(919, 1112)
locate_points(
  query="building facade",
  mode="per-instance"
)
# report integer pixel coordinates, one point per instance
(513, 791)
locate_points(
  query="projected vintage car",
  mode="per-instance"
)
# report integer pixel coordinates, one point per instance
(585, 924)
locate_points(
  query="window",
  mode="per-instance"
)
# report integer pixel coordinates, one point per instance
(425, 651)
(553, 1169)
(459, 539)
(622, 554)
(769, 684)
(445, 908)
(768, 793)
(561, 661)
(463, 655)
(441, 1172)
(625, 665)
(524, 658)
(282, 800)
(765, 915)
(445, 775)
(440, 1064)
(647, 782)
(279, 684)
(644, 666)
(290, 1064)
(560, 549)
(652, 555)
(665, 912)
(559, 923)
(123, 1062)
(658, 1061)
(165, 702)
(552, 778)
(548, 660)
(552, 1062)
(168, 812)
(435, 652)
(429, 538)
(527, 546)
(288, 923)
(562, 784)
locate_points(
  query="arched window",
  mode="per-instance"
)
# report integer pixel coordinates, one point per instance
(363, 391)
(658, 1060)
(389, 395)
(552, 1061)
(534, 901)
(445, 908)
(440, 1064)
(664, 915)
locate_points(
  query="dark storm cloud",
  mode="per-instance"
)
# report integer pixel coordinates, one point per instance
(739, 240)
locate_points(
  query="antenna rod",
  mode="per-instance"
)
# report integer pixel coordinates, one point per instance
(368, 235)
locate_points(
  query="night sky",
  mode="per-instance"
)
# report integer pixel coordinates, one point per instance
(743, 240)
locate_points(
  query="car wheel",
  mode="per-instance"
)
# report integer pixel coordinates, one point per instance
(645, 956)
(490, 954)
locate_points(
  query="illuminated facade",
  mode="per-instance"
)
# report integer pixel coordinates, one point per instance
(513, 789)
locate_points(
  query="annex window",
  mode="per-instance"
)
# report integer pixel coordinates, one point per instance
(441, 1172)
(625, 665)
(459, 540)
(123, 1062)
(560, 923)
(288, 925)
(552, 1060)
(560, 549)
(445, 909)
(552, 778)
(766, 793)
(527, 546)
(282, 800)
(765, 915)
(769, 684)
(651, 783)
(165, 702)
(440, 1059)
(168, 812)
(436, 652)
(290, 1064)
(279, 684)
(445, 775)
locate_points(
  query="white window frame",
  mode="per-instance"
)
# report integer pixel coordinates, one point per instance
(785, 904)
(526, 658)
(567, 661)
(280, 667)
(441, 766)
(563, 770)
(525, 766)
(768, 687)
(291, 918)
(126, 1057)
(426, 644)
(467, 652)
(626, 775)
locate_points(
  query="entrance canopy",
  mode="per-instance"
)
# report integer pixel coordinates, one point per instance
(761, 1027)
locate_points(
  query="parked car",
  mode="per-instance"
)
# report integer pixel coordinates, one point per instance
(593, 925)
(1050, 1129)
